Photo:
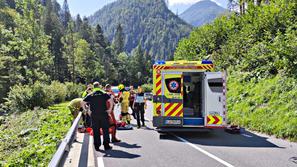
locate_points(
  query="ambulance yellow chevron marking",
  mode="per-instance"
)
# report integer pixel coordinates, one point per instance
(214, 120)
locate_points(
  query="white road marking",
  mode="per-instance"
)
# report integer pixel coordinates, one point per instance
(204, 152)
(246, 135)
(100, 162)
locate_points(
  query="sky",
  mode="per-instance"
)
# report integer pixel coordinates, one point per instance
(89, 7)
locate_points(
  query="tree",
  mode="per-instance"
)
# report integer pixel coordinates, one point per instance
(99, 37)
(24, 55)
(54, 28)
(69, 41)
(118, 42)
(78, 23)
(65, 14)
(123, 69)
(11, 3)
(87, 65)
(140, 64)
(86, 31)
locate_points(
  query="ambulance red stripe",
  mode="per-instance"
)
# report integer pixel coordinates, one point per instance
(175, 108)
(168, 107)
(180, 113)
(158, 83)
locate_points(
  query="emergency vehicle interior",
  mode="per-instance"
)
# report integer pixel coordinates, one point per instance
(192, 94)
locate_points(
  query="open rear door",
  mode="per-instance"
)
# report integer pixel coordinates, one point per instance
(172, 91)
(214, 99)
(172, 99)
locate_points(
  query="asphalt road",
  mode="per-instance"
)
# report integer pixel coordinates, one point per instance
(146, 148)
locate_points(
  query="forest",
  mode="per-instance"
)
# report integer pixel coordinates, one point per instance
(56, 47)
(147, 22)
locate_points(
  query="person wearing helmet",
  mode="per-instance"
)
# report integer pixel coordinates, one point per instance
(124, 99)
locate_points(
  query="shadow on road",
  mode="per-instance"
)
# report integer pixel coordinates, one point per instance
(120, 154)
(219, 137)
(127, 145)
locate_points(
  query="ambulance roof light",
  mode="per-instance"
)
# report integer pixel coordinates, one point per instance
(160, 62)
(207, 62)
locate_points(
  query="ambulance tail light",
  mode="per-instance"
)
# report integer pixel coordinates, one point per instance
(158, 112)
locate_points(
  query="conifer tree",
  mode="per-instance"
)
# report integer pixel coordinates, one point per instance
(118, 42)
(65, 14)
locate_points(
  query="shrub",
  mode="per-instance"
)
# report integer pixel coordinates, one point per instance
(57, 91)
(25, 97)
(147, 87)
(73, 90)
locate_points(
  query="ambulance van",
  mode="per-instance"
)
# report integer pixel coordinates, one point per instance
(188, 95)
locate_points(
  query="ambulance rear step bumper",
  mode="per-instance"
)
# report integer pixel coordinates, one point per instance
(184, 129)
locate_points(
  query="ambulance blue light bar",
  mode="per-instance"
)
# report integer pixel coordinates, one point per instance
(160, 62)
(207, 62)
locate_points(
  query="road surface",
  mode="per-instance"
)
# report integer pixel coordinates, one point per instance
(146, 148)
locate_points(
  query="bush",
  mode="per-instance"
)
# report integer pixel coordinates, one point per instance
(73, 90)
(25, 97)
(56, 91)
(147, 87)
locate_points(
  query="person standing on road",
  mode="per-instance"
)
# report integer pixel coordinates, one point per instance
(101, 106)
(138, 106)
(124, 99)
(112, 120)
(131, 101)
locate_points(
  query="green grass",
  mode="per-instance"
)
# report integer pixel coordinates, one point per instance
(31, 138)
(268, 106)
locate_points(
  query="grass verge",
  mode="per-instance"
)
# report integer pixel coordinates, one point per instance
(31, 138)
(268, 106)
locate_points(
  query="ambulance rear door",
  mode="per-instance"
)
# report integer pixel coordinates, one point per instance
(172, 99)
(214, 99)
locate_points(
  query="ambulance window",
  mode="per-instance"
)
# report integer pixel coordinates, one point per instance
(216, 85)
(173, 85)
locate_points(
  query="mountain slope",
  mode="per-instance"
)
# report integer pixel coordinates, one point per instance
(202, 12)
(145, 21)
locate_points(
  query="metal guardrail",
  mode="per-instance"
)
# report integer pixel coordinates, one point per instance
(65, 144)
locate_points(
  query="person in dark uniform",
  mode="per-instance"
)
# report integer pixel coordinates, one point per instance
(101, 106)
(138, 106)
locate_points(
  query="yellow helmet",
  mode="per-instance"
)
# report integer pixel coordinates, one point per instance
(121, 87)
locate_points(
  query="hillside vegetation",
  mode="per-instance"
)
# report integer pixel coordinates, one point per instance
(31, 138)
(258, 49)
(202, 12)
(147, 22)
